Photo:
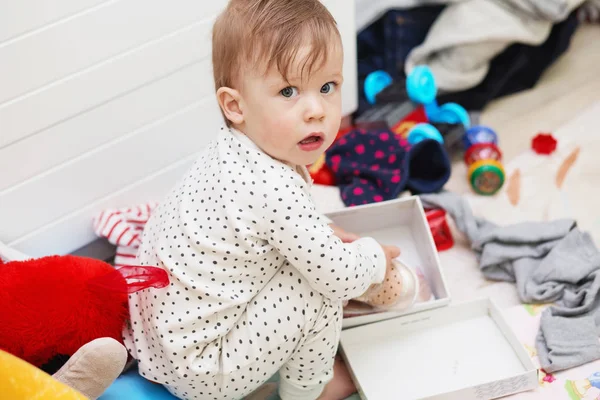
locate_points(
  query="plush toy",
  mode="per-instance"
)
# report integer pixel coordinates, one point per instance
(65, 315)
(86, 375)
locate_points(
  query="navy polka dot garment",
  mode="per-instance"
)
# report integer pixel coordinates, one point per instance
(373, 166)
(369, 166)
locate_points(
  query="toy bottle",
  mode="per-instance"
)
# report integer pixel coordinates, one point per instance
(484, 159)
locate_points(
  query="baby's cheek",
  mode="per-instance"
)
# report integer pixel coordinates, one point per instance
(334, 118)
(284, 129)
(280, 124)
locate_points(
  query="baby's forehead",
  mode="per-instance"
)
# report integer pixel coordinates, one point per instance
(303, 66)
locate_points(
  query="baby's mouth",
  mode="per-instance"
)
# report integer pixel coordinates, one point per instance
(311, 139)
(312, 142)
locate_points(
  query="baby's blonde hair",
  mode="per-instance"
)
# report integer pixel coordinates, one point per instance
(265, 33)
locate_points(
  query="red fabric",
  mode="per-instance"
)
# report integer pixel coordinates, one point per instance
(54, 305)
(123, 227)
(403, 126)
(319, 171)
(136, 278)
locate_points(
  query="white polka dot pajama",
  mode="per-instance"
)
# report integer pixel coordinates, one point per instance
(257, 280)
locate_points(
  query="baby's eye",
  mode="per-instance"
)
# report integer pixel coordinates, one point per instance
(328, 87)
(289, 91)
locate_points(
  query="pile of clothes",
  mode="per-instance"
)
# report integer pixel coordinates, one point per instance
(478, 50)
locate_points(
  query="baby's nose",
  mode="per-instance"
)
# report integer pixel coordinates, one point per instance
(315, 109)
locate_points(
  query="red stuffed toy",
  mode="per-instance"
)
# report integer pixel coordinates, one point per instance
(54, 305)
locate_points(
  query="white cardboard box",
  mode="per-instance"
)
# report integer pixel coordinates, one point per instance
(402, 223)
(432, 351)
(459, 352)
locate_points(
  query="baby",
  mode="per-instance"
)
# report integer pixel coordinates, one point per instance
(258, 276)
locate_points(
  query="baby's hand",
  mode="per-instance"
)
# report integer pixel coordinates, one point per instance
(346, 237)
(391, 252)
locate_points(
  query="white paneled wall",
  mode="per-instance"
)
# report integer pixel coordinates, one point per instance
(105, 104)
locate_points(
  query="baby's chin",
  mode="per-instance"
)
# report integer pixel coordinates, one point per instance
(312, 161)
(303, 159)
(315, 156)
(303, 156)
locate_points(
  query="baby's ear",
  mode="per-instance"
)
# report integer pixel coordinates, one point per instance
(229, 101)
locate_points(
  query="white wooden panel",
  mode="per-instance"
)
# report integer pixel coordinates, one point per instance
(78, 43)
(63, 190)
(74, 230)
(83, 91)
(344, 14)
(104, 123)
(18, 17)
(117, 128)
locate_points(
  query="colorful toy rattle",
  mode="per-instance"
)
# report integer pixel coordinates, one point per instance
(399, 290)
(483, 157)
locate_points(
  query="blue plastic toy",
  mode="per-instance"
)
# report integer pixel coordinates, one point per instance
(375, 82)
(421, 89)
(449, 113)
(132, 386)
(424, 131)
(420, 85)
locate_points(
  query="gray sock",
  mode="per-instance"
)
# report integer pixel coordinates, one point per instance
(564, 343)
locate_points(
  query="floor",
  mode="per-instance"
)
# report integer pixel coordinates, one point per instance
(569, 86)
(555, 105)
(567, 89)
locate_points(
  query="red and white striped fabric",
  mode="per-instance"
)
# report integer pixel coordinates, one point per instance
(123, 227)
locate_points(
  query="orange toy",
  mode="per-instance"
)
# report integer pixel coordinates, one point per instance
(20, 380)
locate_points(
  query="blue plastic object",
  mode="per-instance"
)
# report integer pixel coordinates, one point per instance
(424, 131)
(132, 386)
(375, 82)
(420, 85)
(449, 113)
(479, 134)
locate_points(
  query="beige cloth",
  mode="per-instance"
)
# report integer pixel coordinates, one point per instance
(94, 367)
(469, 34)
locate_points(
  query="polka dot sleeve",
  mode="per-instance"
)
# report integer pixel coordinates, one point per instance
(301, 234)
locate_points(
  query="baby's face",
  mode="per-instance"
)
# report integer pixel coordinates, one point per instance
(295, 121)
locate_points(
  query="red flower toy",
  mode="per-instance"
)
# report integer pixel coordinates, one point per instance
(544, 143)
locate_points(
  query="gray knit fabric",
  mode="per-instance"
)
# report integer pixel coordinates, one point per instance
(550, 262)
